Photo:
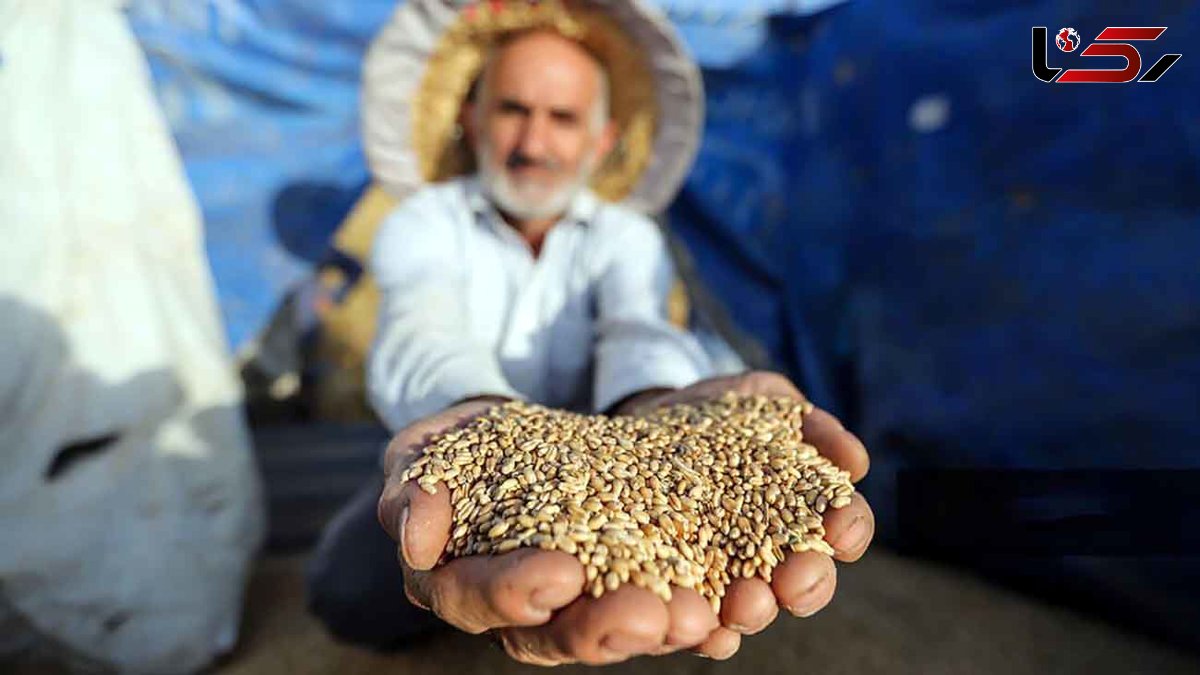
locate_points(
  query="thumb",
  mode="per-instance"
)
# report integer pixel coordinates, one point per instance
(418, 521)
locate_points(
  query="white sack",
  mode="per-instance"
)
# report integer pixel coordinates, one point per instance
(136, 554)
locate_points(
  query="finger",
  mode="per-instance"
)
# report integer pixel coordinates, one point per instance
(416, 584)
(618, 625)
(850, 529)
(749, 606)
(721, 644)
(418, 521)
(532, 646)
(804, 582)
(841, 447)
(478, 593)
(691, 619)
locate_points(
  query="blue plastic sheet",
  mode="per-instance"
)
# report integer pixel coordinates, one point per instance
(262, 96)
(263, 99)
(975, 269)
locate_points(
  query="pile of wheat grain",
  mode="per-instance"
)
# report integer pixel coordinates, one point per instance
(691, 496)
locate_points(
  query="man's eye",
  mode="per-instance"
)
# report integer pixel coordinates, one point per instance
(509, 108)
(564, 118)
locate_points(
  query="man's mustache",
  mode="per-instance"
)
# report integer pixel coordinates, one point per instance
(520, 160)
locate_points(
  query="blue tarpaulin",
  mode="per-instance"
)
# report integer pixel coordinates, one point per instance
(975, 269)
(263, 98)
(972, 267)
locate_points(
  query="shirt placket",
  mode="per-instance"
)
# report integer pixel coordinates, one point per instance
(525, 332)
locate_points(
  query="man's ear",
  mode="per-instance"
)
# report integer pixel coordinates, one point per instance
(466, 122)
(607, 140)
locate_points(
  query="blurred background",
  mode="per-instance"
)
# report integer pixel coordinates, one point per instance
(993, 280)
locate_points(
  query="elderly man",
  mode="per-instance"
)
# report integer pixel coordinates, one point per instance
(493, 284)
(519, 282)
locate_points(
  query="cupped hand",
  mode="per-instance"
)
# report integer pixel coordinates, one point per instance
(532, 599)
(803, 583)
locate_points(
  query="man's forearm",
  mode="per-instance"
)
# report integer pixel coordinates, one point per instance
(489, 398)
(416, 372)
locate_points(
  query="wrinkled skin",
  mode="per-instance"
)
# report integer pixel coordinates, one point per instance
(533, 599)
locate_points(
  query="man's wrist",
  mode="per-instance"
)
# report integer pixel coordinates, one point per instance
(487, 398)
(639, 401)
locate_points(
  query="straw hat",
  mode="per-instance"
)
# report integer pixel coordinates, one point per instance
(422, 66)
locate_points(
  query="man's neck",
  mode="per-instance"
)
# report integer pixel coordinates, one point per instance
(533, 231)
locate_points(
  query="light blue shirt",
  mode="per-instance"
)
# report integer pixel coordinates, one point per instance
(467, 310)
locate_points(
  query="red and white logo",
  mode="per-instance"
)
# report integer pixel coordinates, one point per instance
(1112, 41)
(1067, 40)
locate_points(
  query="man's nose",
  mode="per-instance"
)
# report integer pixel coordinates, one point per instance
(533, 142)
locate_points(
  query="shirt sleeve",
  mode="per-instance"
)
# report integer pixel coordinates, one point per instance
(424, 357)
(637, 346)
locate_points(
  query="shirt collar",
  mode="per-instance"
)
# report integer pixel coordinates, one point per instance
(581, 210)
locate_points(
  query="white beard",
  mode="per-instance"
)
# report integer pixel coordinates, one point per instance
(529, 202)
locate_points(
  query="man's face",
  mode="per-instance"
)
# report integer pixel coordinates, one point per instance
(538, 133)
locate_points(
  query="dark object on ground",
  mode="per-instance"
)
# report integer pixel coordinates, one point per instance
(354, 583)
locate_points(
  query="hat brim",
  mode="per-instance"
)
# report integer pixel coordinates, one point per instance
(421, 67)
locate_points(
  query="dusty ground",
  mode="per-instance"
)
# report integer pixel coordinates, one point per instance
(891, 615)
